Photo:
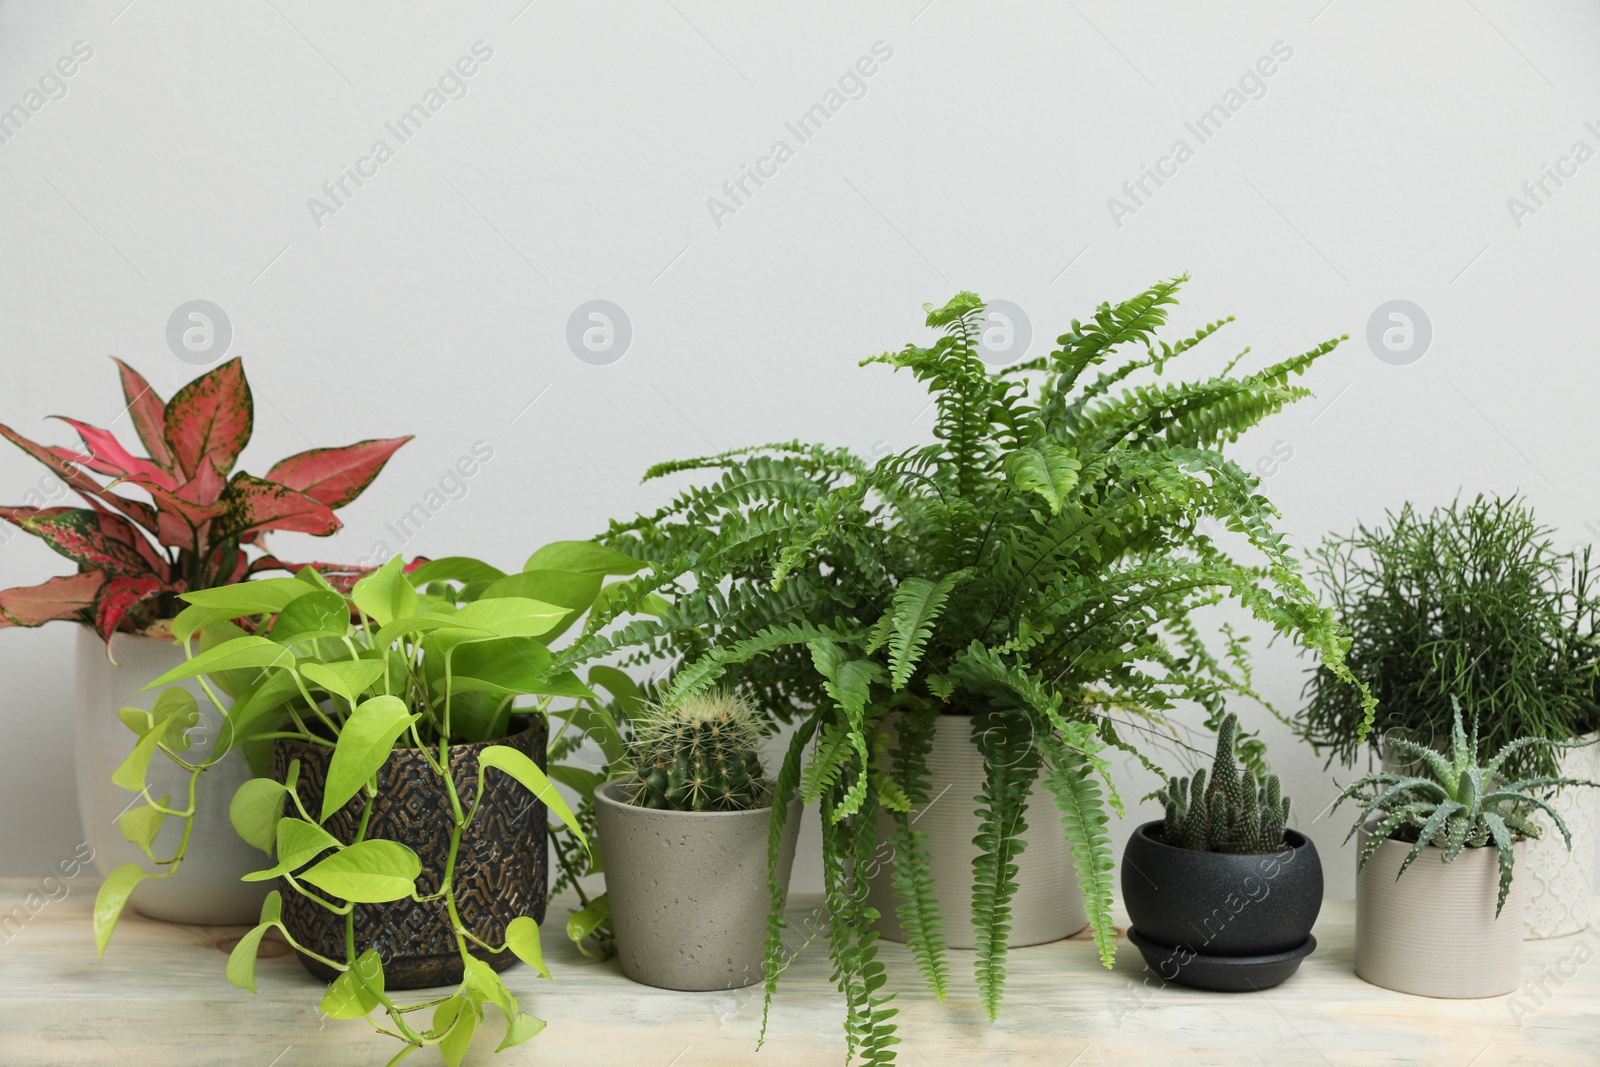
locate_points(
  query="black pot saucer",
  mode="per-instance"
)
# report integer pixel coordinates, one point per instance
(1221, 974)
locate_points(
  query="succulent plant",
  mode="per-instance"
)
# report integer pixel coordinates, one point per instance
(134, 557)
(699, 754)
(1458, 802)
(1231, 813)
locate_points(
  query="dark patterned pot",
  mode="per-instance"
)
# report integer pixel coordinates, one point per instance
(501, 867)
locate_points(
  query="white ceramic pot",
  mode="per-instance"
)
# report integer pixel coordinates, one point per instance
(1434, 932)
(1561, 883)
(206, 889)
(1048, 904)
(688, 890)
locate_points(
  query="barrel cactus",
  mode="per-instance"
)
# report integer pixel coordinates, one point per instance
(698, 755)
(1232, 812)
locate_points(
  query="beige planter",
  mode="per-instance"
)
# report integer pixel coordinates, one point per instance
(206, 889)
(1434, 932)
(1561, 883)
(1048, 905)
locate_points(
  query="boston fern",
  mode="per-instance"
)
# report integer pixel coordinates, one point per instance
(1034, 568)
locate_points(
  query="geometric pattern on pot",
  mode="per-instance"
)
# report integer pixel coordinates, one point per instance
(1561, 883)
(501, 866)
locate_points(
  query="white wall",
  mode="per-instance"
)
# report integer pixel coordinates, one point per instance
(434, 300)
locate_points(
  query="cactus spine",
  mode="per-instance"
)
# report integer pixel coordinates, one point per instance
(1233, 813)
(700, 755)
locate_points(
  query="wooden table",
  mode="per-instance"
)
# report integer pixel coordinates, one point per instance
(160, 998)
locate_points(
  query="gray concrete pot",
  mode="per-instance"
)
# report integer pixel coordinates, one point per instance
(1433, 932)
(688, 890)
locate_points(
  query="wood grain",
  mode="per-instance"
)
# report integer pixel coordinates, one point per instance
(160, 998)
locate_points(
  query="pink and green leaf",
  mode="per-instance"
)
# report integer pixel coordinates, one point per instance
(336, 476)
(212, 417)
(80, 482)
(68, 597)
(148, 412)
(77, 534)
(107, 455)
(119, 596)
(256, 505)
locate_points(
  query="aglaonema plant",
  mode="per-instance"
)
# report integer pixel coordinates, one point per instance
(203, 523)
(420, 661)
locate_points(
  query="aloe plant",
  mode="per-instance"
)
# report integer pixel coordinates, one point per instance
(135, 557)
(1458, 802)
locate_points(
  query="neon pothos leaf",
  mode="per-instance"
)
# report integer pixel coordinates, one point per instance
(524, 770)
(212, 417)
(364, 745)
(109, 902)
(335, 476)
(368, 872)
(522, 938)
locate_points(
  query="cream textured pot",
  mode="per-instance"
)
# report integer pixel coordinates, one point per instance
(1434, 931)
(1561, 883)
(688, 890)
(206, 889)
(1048, 905)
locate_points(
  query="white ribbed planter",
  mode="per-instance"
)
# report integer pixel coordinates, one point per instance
(1561, 883)
(1434, 932)
(206, 889)
(1048, 905)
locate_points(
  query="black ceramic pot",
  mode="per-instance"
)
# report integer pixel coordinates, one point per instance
(500, 868)
(1219, 921)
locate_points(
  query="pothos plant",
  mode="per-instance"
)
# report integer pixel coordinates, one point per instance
(203, 523)
(446, 654)
(1037, 567)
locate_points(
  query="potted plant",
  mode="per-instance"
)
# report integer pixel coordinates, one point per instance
(1473, 601)
(1005, 601)
(202, 527)
(1440, 886)
(683, 841)
(405, 816)
(1221, 893)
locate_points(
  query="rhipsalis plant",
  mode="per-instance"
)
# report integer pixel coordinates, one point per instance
(135, 557)
(447, 653)
(701, 754)
(1459, 801)
(1471, 601)
(1036, 567)
(1231, 813)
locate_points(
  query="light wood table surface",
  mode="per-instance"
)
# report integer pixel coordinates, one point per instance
(160, 997)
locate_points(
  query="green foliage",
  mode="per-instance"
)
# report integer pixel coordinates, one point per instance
(1232, 813)
(425, 664)
(1036, 564)
(1458, 801)
(1469, 601)
(698, 755)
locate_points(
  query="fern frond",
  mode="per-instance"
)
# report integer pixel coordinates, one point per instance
(1011, 763)
(1069, 775)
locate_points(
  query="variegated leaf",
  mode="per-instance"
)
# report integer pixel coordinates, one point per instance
(212, 417)
(336, 476)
